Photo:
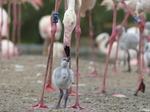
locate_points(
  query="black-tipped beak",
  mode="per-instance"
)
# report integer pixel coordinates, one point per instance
(68, 59)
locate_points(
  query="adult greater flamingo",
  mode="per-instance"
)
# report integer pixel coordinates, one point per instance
(141, 85)
(69, 23)
(4, 20)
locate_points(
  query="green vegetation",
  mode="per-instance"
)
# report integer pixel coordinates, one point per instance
(102, 20)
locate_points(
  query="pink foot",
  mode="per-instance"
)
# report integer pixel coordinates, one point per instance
(8, 58)
(77, 107)
(39, 106)
(18, 54)
(145, 69)
(114, 70)
(74, 93)
(141, 86)
(50, 88)
(94, 74)
(100, 91)
(79, 75)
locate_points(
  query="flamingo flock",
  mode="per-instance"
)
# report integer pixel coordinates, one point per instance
(50, 29)
(5, 22)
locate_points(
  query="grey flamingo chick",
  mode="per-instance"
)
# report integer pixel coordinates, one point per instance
(128, 41)
(62, 78)
(147, 54)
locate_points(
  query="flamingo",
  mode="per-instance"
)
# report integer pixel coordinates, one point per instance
(88, 6)
(146, 33)
(62, 78)
(69, 24)
(4, 18)
(4, 21)
(128, 41)
(54, 21)
(147, 55)
(8, 50)
(45, 28)
(147, 25)
(71, 14)
(17, 13)
(141, 85)
(102, 42)
(110, 5)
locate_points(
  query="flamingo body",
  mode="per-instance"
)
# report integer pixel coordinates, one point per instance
(5, 20)
(8, 49)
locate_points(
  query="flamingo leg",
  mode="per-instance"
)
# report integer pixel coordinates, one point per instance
(141, 85)
(66, 98)
(112, 38)
(8, 26)
(94, 74)
(49, 86)
(59, 100)
(129, 66)
(78, 32)
(41, 104)
(118, 41)
(14, 25)
(53, 30)
(143, 63)
(149, 69)
(19, 29)
(147, 37)
(1, 24)
(72, 92)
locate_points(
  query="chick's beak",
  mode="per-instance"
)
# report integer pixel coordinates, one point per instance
(68, 59)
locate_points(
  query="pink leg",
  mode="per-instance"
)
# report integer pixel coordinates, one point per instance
(94, 74)
(118, 40)
(49, 81)
(14, 26)
(41, 104)
(19, 29)
(143, 63)
(113, 35)
(141, 85)
(78, 32)
(49, 86)
(66, 5)
(8, 26)
(73, 93)
(79, 75)
(1, 24)
(53, 30)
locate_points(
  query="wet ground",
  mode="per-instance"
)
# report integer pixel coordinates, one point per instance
(21, 82)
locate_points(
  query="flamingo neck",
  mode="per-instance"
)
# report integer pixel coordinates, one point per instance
(103, 47)
(71, 4)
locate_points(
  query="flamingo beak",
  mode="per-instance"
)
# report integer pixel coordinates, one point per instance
(68, 59)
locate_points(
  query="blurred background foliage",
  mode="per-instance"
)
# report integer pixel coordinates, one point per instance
(102, 20)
